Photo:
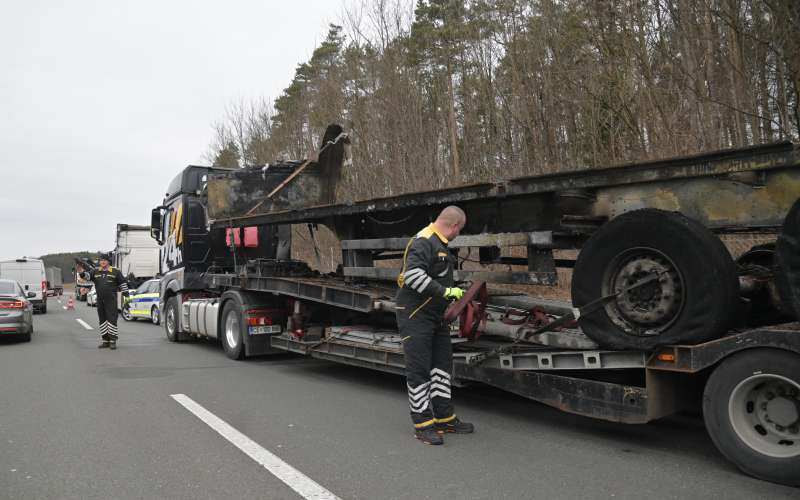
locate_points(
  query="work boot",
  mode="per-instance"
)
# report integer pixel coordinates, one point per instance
(454, 426)
(428, 435)
(103, 344)
(113, 345)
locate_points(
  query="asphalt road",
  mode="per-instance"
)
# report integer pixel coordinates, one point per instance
(83, 423)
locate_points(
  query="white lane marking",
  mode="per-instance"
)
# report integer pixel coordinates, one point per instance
(296, 480)
(84, 324)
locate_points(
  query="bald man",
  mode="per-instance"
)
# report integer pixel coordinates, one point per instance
(426, 287)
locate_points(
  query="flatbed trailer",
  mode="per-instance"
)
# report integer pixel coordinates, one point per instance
(690, 342)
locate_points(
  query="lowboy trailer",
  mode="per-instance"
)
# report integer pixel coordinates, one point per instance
(666, 320)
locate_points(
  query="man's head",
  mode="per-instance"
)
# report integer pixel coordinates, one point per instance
(105, 260)
(451, 221)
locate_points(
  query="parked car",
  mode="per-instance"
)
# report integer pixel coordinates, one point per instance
(91, 297)
(30, 274)
(143, 303)
(16, 310)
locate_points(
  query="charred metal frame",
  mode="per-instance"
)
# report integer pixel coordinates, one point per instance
(746, 189)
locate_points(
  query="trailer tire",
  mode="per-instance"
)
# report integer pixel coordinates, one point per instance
(231, 330)
(694, 300)
(787, 261)
(742, 397)
(171, 319)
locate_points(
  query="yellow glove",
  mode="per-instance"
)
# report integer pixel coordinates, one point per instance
(453, 293)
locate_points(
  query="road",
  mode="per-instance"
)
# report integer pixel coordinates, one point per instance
(83, 423)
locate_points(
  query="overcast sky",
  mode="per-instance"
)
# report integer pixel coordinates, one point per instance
(103, 103)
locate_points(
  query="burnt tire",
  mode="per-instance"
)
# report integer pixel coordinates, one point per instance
(694, 300)
(171, 319)
(232, 330)
(787, 261)
(748, 404)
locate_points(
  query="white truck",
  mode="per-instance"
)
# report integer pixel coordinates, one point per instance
(30, 274)
(136, 255)
(55, 283)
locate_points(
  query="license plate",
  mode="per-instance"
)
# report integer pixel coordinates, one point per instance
(260, 330)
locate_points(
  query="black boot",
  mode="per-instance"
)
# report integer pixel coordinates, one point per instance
(455, 426)
(103, 344)
(428, 435)
(112, 345)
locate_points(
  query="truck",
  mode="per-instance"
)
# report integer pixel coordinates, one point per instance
(82, 286)
(135, 254)
(662, 319)
(55, 284)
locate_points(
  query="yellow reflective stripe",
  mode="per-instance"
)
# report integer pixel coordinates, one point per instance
(400, 277)
(420, 307)
(424, 424)
(446, 419)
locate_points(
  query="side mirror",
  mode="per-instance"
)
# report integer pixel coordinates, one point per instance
(155, 224)
(30, 295)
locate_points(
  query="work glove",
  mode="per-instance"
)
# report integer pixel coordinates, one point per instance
(454, 293)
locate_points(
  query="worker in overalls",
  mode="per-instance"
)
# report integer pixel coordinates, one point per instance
(107, 281)
(426, 287)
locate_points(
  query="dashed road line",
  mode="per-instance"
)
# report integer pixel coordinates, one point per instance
(296, 480)
(84, 324)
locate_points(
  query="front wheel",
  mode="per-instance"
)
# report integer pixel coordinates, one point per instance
(751, 407)
(126, 313)
(232, 326)
(171, 319)
(155, 317)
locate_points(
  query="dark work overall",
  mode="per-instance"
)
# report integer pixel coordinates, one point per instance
(106, 285)
(427, 271)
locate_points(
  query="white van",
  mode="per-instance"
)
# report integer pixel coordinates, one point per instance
(31, 275)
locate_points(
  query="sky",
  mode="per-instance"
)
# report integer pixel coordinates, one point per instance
(103, 103)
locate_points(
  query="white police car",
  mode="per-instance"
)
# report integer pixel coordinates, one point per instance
(143, 303)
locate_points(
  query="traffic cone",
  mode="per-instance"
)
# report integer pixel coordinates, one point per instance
(70, 303)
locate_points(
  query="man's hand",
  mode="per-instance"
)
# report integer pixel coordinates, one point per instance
(126, 298)
(453, 293)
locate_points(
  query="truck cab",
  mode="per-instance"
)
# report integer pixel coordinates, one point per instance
(179, 227)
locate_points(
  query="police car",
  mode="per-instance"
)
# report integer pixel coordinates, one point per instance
(143, 303)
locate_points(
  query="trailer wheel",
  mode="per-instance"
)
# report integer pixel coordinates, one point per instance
(694, 299)
(751, 406)
(787, 261)
(232, 326)
(171, 319)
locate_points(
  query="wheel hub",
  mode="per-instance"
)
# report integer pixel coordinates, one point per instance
(765, 413)
(778, 407)
(649, 308)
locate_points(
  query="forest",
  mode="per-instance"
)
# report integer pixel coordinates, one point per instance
(439, 93)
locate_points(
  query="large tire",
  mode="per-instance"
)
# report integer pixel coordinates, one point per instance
(748, 404)
(171, 319)
(694, 300)
(232, 330)
(787, 261)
